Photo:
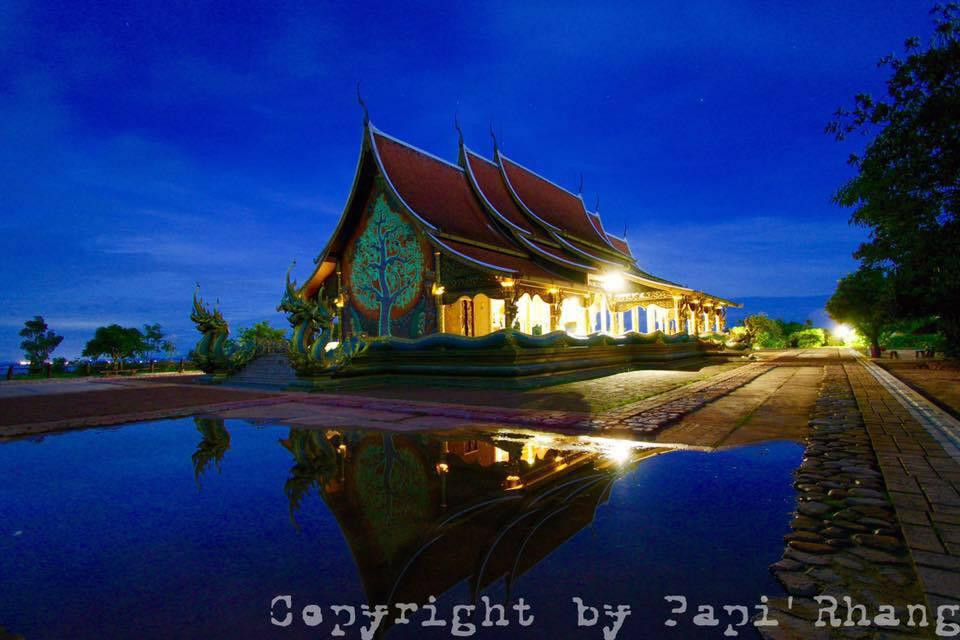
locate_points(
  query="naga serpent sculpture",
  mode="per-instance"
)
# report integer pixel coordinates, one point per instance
(215, 352)
(313, 332)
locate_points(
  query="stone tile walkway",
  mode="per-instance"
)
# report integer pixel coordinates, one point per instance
(846, 539)
(923, 481)
(774, 406)
(607, 393)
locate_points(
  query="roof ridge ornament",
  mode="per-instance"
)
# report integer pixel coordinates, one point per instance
(456, 125)
(596, 207)
(580, 187)
(496, 148)
(363, 105)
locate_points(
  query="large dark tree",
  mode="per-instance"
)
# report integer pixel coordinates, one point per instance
(39, 342)
(907, 187)
(116, 342)
(864, 299)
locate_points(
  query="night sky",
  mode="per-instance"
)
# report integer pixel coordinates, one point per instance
(145, 147)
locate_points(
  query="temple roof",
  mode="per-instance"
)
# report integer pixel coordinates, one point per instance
(496, 215)
(436, 191)
(504, 263)
(620, 244)
(561, 210)
(486, 175)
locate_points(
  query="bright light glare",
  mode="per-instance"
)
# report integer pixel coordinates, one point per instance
(613, 281)
(618, 451)
(844, 332)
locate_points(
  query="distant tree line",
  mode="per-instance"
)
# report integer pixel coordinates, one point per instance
(119, 345)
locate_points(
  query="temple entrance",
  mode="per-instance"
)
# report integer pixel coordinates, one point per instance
(476, 316)
(572, 317)
(533, 315)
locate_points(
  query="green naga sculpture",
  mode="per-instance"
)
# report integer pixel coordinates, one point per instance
(215, 353)
(314, 330)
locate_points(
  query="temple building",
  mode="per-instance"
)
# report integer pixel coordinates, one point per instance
(425, 245)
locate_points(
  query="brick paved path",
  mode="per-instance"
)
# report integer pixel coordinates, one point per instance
(922, 480)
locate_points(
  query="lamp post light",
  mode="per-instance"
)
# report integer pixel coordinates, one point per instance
(442, 470)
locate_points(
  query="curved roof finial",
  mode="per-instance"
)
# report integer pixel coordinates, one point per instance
(596, 207)
(624, 230)
(456, 125)
(363, 105)
(580, 187)
(493, 135)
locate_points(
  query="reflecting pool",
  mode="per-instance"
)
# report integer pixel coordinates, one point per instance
(192, 528)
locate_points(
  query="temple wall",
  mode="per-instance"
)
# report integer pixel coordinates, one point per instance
(392, 298)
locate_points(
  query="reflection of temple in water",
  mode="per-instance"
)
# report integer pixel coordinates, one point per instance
(424, 512)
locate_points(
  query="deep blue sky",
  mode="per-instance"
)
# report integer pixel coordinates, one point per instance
(147, 147)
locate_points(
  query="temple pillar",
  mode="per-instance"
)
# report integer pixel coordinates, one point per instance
(510, 309)
(616, 325)
(555, 310)
(338, 305)
(438, 293)
(676, 315)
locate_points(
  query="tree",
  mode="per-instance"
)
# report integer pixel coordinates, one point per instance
(260, 333)
(116, 342)
(865, 300)
(39, 341)
(154, 340)
(387, 268)
(762, 332)
(907, 187)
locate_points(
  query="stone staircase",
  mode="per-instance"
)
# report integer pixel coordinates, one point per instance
(269, 370)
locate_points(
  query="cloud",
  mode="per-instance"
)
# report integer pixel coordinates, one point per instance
(173, 250)
(749, 256)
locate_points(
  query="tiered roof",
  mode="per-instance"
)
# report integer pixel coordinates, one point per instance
(492, 214)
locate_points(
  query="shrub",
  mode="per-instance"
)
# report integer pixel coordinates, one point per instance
(764, 333)
(736, 338)
(832, 340)
(807, 338)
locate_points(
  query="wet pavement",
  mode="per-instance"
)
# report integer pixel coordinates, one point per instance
(893, 441)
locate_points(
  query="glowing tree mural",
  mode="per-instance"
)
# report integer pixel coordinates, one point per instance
(387, 269)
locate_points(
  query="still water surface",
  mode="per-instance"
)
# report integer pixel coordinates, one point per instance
(190, 528)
